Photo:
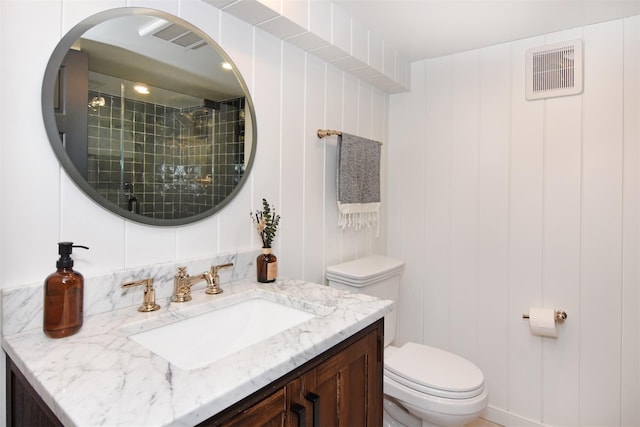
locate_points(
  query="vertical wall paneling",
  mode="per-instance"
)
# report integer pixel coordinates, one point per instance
(320, 19)
(376, 54)
(364, 240)
(379, 131)
(561, 256)
(543, 198)
(340, 28)
(465, 137)
(143, 244)
(199, 13)
(600, 287)
(351, 101)
(3, 45)
(437, 190)
(298, 12)
(406, 225)
(16, 100)
(332, 120)
(493, 219)
(561, 250)
(359, 41)
(290, 254)
(29, 195)
(202, 237)
(267, 99)
(350, 124)
(525, 238)
(72, 15)
(314, 171)
(630, 410)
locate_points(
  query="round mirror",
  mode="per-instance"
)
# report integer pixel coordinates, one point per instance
(149, 116)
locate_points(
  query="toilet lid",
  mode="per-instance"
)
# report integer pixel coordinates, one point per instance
(434, 371)
(362, 272)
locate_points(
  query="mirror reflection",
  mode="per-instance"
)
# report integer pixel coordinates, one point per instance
(151, 118)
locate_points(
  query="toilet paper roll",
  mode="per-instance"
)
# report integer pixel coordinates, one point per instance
(542, 321)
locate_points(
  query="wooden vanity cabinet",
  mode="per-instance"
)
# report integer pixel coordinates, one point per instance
(269, 412)
(341, 387)
(24, 406)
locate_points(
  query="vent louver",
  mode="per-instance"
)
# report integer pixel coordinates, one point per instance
(173, 33)
(554, 70)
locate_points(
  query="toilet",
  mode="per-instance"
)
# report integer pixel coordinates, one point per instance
(423, 386)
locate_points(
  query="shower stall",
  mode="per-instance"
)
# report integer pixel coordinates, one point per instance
(162, 154)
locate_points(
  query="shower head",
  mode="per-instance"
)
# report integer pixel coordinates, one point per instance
(186, 119)
(200, 113)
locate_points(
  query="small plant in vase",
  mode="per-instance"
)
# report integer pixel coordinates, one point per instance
(266, 221)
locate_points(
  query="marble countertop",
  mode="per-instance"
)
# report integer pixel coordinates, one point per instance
(100, 377)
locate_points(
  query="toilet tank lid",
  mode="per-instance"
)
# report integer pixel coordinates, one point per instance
(362, 271)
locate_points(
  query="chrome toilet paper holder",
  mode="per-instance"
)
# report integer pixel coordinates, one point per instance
(560, 315)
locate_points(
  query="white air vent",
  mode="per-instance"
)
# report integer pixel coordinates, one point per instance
(173, 33)
(554, 70)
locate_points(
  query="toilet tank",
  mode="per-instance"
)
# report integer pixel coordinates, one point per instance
(374, 275)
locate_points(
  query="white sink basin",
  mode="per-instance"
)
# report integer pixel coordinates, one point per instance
(201, 340)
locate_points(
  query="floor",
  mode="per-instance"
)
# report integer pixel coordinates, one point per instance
(481, 422)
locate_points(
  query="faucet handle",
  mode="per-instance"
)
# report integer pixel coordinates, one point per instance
(215, 268)
(149, 303)
(213, 286)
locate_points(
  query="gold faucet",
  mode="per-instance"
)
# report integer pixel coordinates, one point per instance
(149, 303)
(182, 284)
(213, 287)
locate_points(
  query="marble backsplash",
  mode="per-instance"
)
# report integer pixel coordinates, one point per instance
(22, 307)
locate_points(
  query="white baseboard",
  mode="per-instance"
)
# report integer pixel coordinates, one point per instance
(508, 419)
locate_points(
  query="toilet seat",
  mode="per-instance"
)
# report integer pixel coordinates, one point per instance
(446, 400)
(437, 410)
(433, 372)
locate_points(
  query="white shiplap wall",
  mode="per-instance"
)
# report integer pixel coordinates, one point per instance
(294, 94)
(501, 204)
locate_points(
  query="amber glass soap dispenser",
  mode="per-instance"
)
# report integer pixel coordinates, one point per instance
(63, 295)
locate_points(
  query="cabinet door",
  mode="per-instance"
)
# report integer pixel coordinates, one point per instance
(269, 412)
(24, 406)
(341, 387)
(346, 389)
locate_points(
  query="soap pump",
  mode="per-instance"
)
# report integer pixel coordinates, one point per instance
(63, 296)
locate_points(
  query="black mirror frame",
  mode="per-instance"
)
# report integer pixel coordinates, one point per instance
(48, 86)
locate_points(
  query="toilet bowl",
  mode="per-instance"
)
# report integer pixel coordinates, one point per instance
(423, 385)
(436, 386)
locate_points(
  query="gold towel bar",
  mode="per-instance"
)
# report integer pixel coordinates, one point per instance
(328, 132)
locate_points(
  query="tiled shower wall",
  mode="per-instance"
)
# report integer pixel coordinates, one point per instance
(178, 168)
(228, 160)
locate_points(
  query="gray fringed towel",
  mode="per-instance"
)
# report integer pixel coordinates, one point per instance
(358, 182)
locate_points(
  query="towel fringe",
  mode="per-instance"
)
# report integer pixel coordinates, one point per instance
(359, 215)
